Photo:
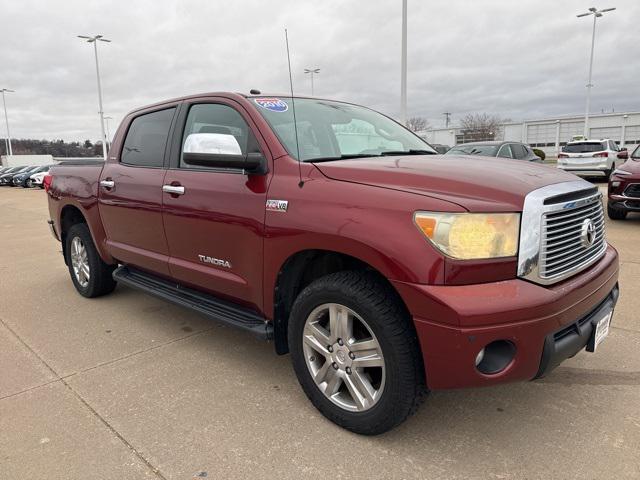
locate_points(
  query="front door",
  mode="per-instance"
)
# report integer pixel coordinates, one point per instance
(130, 193)
(215, 223)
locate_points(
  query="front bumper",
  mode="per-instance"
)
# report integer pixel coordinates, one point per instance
(569, 340)
(454, 323)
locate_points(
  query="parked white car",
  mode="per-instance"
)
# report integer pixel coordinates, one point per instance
(592, 157)
(36, 179)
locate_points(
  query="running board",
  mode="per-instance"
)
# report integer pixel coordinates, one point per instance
(209, 306)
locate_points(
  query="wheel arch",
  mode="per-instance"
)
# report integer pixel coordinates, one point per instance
(299, 270)
(71, 215)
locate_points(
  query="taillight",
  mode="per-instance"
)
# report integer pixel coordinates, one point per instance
(601, 154)
(563, 155)
(46, 182)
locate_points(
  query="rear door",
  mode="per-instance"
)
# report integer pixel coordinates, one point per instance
(215, 227)
(130, 192)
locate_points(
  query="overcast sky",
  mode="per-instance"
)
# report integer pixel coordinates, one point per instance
(518, 59)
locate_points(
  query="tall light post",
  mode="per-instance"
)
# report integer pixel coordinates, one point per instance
(403, 67)
(596, 14)
(7, 140)
(95, 39)
(107, 127)
(312, 71)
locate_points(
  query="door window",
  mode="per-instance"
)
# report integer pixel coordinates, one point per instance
(147, 138)
(518, 151)
(218, 118)
(505, 151)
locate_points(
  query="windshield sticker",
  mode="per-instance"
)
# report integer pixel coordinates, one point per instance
(273, 104)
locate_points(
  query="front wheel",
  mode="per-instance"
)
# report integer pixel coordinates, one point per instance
(355, 352)
(616, 213)
(89, 274)
(29, 183)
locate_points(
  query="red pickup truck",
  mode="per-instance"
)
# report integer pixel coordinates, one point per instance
(386, 270)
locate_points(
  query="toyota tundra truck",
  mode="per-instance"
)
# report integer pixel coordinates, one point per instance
(384, 269)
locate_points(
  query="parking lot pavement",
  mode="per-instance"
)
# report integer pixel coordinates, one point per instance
(129, 387)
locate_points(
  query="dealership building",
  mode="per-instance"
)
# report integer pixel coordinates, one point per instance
(551, 134)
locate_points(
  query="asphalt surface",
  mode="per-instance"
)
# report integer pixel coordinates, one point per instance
(130, 387)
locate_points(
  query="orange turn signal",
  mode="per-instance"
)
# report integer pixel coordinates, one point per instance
(427, 225)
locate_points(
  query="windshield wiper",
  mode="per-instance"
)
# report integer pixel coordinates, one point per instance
(412, 151)
(341, 157)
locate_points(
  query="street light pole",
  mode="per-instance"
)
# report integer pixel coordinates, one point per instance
(596, 13)
(7, 140)
(403, 67)
(95, 40)
(312, 71)
(107, 126)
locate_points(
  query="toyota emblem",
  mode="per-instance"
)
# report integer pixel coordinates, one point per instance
(588, 235)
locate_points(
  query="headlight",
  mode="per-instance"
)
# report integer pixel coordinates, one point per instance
(468, 236)
(621, 173)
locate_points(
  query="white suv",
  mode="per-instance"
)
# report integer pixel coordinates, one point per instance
(591, 157)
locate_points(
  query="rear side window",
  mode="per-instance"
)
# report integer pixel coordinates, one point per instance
(147, 138)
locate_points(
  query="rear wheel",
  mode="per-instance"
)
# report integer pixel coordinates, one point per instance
(616, 213)
(89, 274)
(355, 352)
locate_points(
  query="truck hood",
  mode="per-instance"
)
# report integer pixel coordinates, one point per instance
(476, 183)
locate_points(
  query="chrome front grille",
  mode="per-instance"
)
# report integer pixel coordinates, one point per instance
(572, 238)
(562, 231)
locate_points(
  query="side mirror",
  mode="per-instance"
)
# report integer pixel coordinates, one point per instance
(623, 149)
(220, 150)
(623, 154)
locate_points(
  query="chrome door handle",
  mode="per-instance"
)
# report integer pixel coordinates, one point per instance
(173, 189)
(107, 183)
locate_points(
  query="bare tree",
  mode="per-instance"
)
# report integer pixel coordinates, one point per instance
(417, 124)
(479, 127)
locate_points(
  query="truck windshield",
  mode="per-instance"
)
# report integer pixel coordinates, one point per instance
(584, 147)
(330, 130)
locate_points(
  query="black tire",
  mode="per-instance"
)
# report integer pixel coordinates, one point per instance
(608, 173)
(381, 308)
(616, 213)
(28, 184)
(100, 281)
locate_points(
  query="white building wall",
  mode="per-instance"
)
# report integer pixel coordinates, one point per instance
(551, 134)
(21, 160)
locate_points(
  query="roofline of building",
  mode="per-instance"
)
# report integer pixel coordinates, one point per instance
(558, 118)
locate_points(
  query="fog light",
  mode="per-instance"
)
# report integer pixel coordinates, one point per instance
(496, 356)
(479, 357)
(615, 184)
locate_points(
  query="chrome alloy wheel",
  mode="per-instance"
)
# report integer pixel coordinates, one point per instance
(80, 262)
(344, 357)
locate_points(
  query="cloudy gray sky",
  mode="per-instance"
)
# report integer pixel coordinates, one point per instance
(518, 59)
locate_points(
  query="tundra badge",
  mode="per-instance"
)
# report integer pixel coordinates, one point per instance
(215, 261)
(277, 205)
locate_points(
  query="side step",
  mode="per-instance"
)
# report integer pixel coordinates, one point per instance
(209, 306)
